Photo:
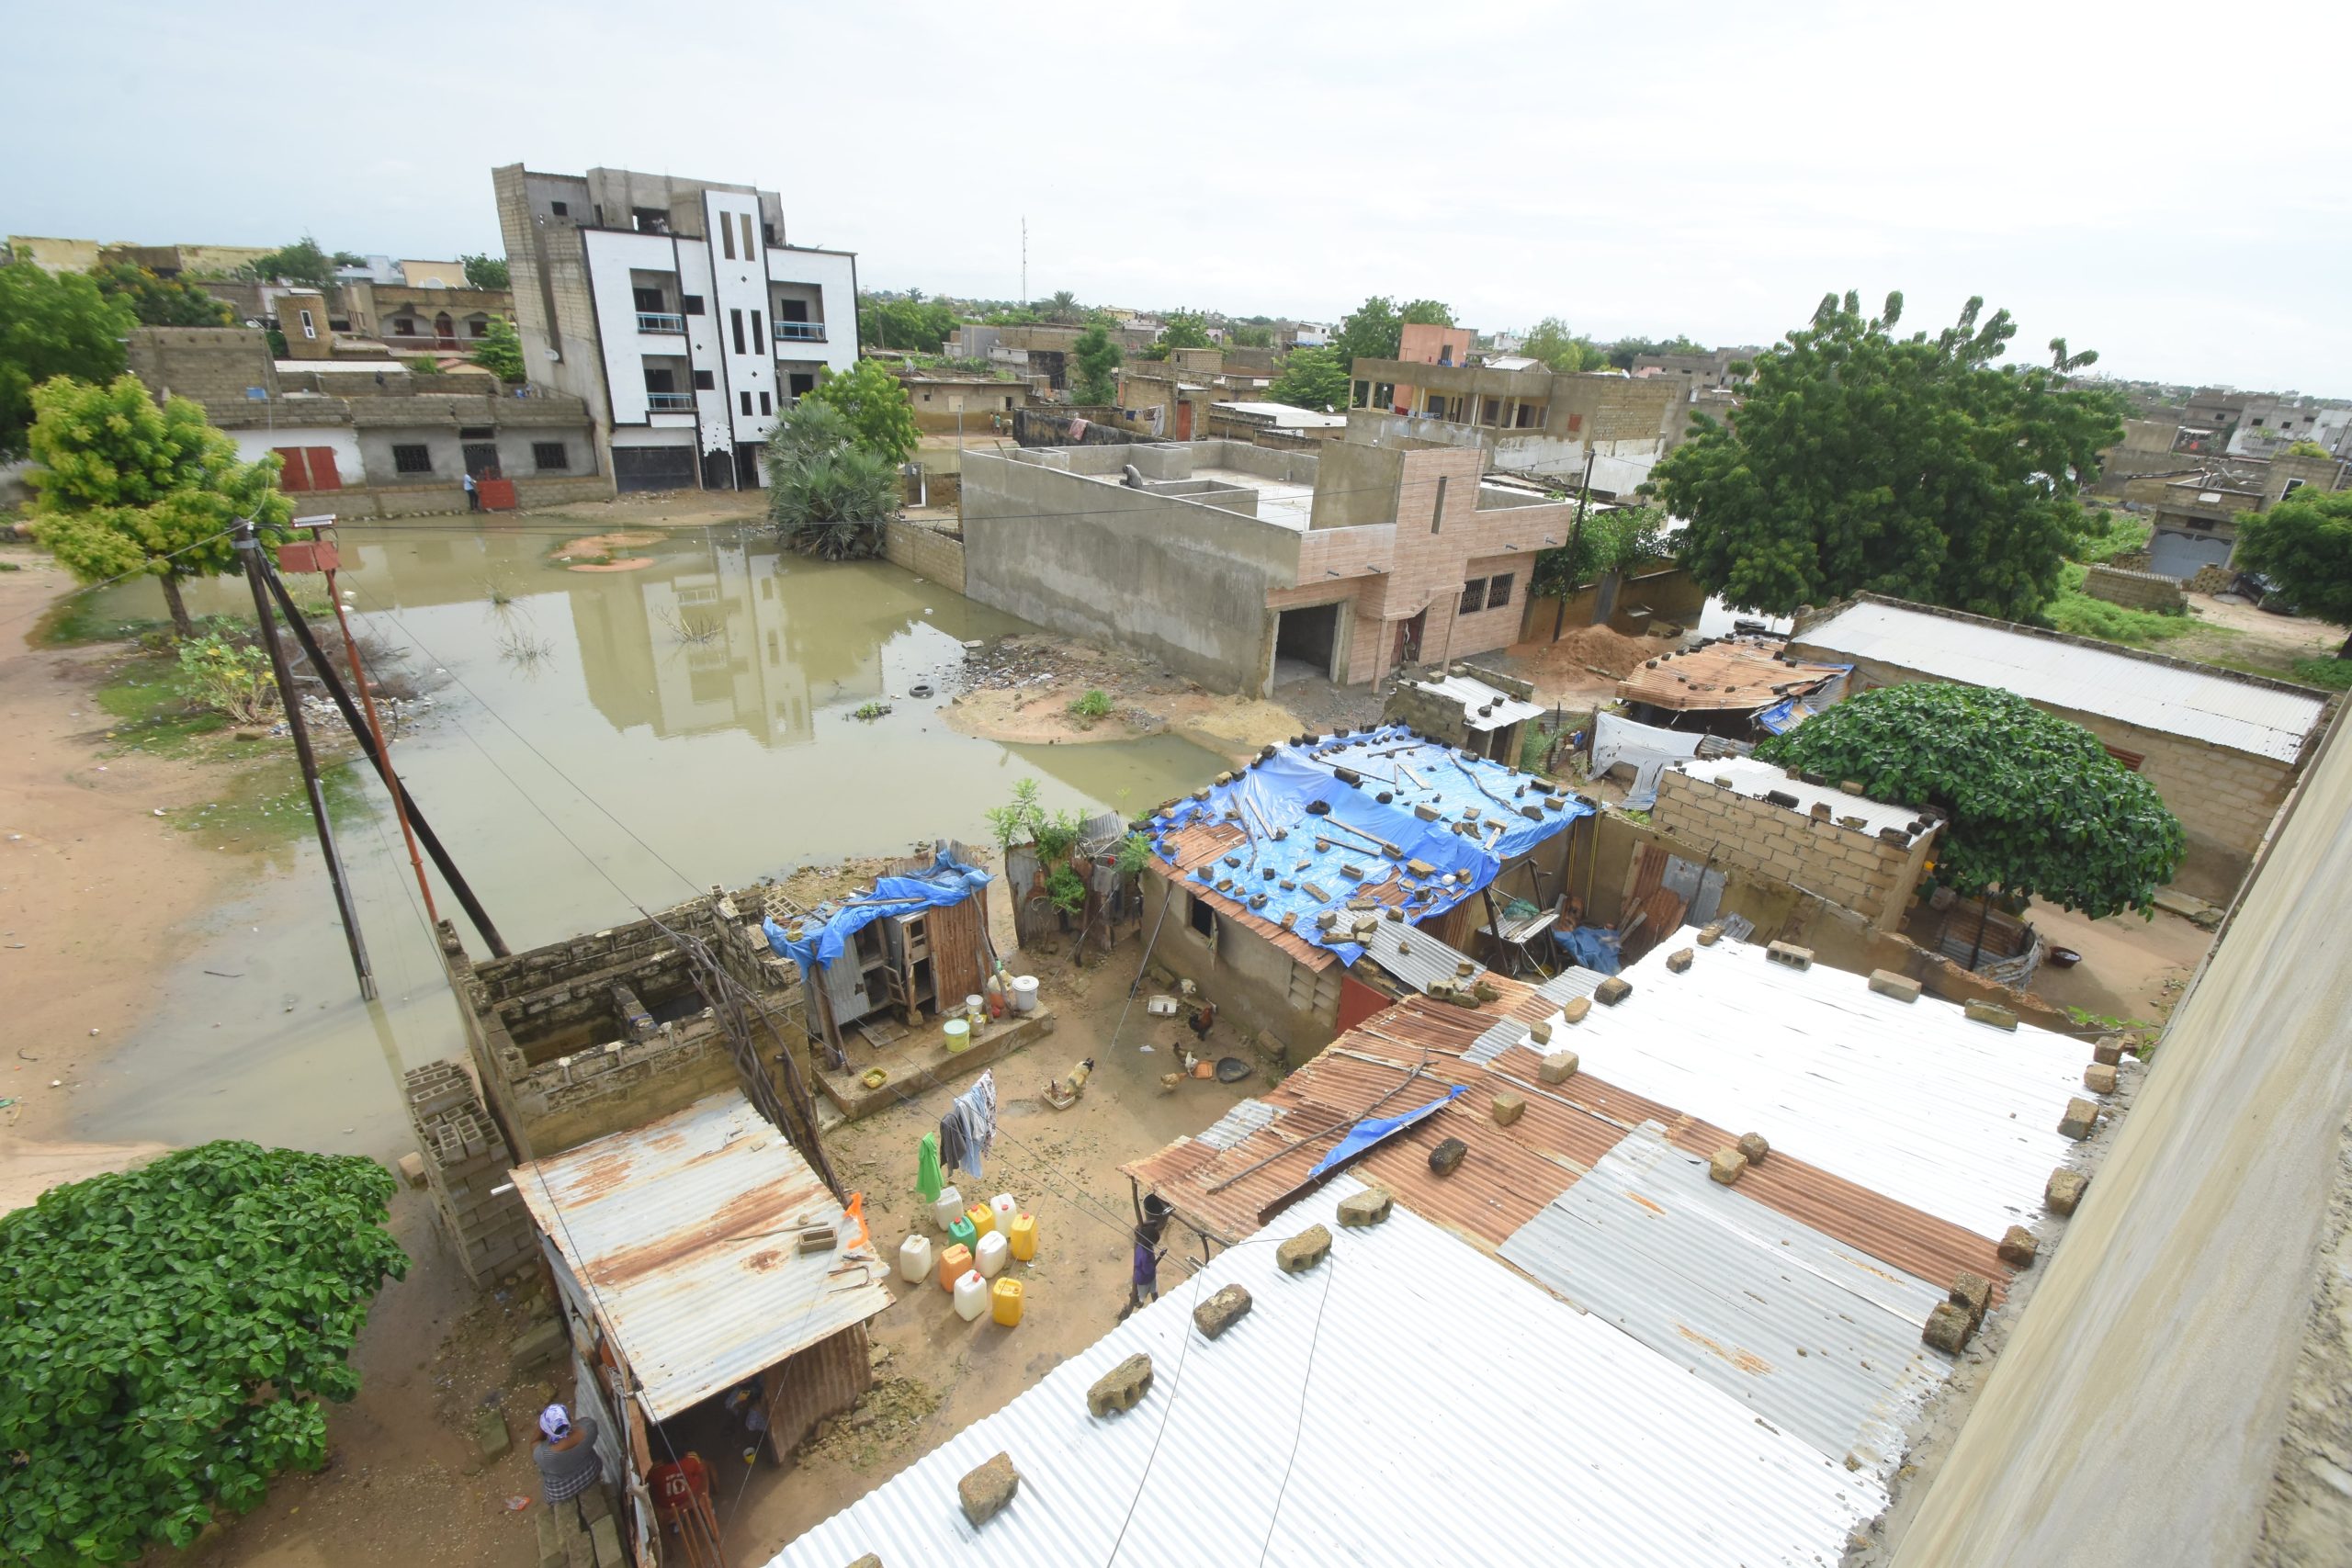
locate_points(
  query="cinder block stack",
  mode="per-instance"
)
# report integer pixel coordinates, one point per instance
(465, 1159)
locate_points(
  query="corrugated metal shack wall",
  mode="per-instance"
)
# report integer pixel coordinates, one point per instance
(824, 1380)
(958, 936)
(1033, 918)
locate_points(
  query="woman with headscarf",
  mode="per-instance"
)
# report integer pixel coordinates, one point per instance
(568, 1465)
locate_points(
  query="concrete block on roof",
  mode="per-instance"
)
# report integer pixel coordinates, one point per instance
(1369, 1207)
(1612, 991)
(1302, 1252)
(1887, 983)
(1790, 954)
(1506, 1108)
(985, 1492)
(1972, 1293)
(2017, 1247)
(2063, 1193)
(1558, 1066)
(1986, 1012)
(1711, 934)
(1753, 1147)
(2099, 1078)
(1948, 1329)
(1574, 1007)
(1222, 1311)
(1446, 1158)
(2108, 1051)
(1727, 1165)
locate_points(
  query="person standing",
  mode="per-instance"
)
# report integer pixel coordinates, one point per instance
(473, 493)
(1143, 1286)
(569, 1464)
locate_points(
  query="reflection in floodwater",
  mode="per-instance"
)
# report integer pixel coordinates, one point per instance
(598, 742)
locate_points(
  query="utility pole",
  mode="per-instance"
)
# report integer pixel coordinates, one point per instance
(249, 547)
(1024, 258)
(1575, 538)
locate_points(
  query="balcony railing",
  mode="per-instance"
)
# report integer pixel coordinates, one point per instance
(660, 322)
(683, 402)
(798, 331)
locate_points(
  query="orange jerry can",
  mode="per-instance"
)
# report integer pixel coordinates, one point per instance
(953, 1264)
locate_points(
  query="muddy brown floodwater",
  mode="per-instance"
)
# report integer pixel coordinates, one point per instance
(595, 743)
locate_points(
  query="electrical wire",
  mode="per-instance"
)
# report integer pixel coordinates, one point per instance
(1305, 1382)
(143, 570)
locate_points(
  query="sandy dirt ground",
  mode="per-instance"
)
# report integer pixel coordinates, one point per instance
(81, 848)
(1582, 667)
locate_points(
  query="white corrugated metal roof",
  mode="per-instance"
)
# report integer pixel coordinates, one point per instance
(1911, 1100)
(683, 1229)
(1473, 694)
(2202, 706)
(1747, 776)
(1286, 417)
(1416, 957)
(1444, 1409)
(1810, 1334)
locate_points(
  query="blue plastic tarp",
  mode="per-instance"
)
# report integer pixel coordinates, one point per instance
(949, 881)
(1592, 947)
(1366, 1133)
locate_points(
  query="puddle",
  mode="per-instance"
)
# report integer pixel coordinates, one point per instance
(704, 701)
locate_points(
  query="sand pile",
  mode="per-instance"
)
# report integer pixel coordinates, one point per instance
(1577, 654)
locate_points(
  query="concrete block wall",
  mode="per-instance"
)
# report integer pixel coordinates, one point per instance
(2139, 590)
(1849, 867)
(622, 1084)
(466, 1159)
(926, 552)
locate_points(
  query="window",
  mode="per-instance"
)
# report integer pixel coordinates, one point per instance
(1499, 592)
(2257, 419)
(765, 407)
(747, 400)
(790, 310)
(479, 327)
(704, 381)
(406, 326)
(1204, 918)
(767, 232)
(2130, 760)
(2292, 486)
(1008, 405)
(758, 346)
(736, 318)
(477, 432)
(651, 219)
(1437, 510)
(659, 381)
(1473, 595)
(649, 301)
(411, 460)
(800, 385)
(748, 253)
(550, 455)
(309, 329)
(727, 236)
(560, 209)
(691, 304)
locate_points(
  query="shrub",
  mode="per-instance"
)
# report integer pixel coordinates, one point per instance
(230, 677)
(1066, 890)
(1094, 706)
(2329, 674)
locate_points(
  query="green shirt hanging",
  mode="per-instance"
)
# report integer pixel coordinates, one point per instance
(928, 1181)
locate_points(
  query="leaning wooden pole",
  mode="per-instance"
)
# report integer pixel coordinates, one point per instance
(249, 546)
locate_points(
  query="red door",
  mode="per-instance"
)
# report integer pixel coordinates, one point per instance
(322, 470)
(1183, 420)
(296, 475)
(307, 469)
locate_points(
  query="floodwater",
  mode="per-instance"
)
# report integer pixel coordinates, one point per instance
(598, 742)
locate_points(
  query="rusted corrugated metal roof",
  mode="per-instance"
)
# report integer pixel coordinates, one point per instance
(1731, 674)
(683, 1230)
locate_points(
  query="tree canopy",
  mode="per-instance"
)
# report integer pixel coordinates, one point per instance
(52, 325)
(1426, 313)
(486, 272)
(1063, 306)
(1312, 378)
(907, 322)
(302, 262)
(167, 1336)
(1372, 330)
(500, 350)
(1184, 329)
(1550, 341)
(1911, 467)
(1625, 350)
(1096, 358)
(881, 418)
(1248, 334)
(125, 486)
(2304, 544)
(827, 495)
(2034, 805)
(159, 302)
(1612, 539)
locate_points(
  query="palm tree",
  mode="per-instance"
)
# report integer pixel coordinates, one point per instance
(1063, 306)
(828, 496)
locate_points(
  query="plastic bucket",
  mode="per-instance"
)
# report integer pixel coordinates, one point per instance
(1024, 993)
(960, 1035)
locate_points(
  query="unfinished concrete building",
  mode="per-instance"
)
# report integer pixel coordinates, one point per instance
(1530, 418)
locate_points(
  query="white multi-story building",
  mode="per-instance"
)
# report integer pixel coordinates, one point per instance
(677, 310)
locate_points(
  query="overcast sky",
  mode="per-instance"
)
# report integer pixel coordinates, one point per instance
(2165, 186)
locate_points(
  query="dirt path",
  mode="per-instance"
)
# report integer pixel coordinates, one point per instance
(97, 893)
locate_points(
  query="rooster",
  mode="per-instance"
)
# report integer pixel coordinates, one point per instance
(1062, 1093)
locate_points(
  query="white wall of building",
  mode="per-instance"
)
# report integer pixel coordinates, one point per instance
(252, 444)
(611, 255)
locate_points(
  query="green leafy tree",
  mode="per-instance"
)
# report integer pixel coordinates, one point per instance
(827, 495)
(126, 487)
(1427, 314)
(2304, 544)
(1550, 341)
(1249, 335)
(1372, 330)
(2033, 804)
(1625, 350)
(302, 262)
(167, 1337)
(1184, 329)
(159, 302)
(907, 322)
(1912, 467)
(52, 325)
(1064, 307)
(881, 417)
(1097, 356)
(500, 350)
(486, 272)
(1312, 378)
(1617, 538)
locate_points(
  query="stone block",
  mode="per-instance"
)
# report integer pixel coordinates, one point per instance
(1986, 1012)
(605, 1538)
(1790, 955)
(1222, 1311)
(1539, 1033)
(1506, 1108)
(1727, 1165)
(2108, 1051)
(1119, 1389)
(1446, 1158)
(1574, 1007)
(2080, 1121)
(413, 1169)
(1753, 1148)
(1304, 1251)
(1612, 991)
(1972, 1293)
(1887, 983)
(1558, 1066)
(1711, 934)
(489, 1436)
(1369, 1207)
(2017, 1247)
(985, 1492)
(2099, 1078)
(540, 1342)
(2065, 1190)
(551, 1553)
(868, 1560)
(1679, 960)
(1948, 1329)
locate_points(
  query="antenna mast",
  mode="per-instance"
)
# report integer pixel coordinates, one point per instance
(1024, 258)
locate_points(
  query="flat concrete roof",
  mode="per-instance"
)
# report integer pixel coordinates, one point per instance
(1287, 505)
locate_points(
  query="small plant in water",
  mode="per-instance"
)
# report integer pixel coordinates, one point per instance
(226, 675)
(1095, 704)
(525, 648)
(870, 711)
